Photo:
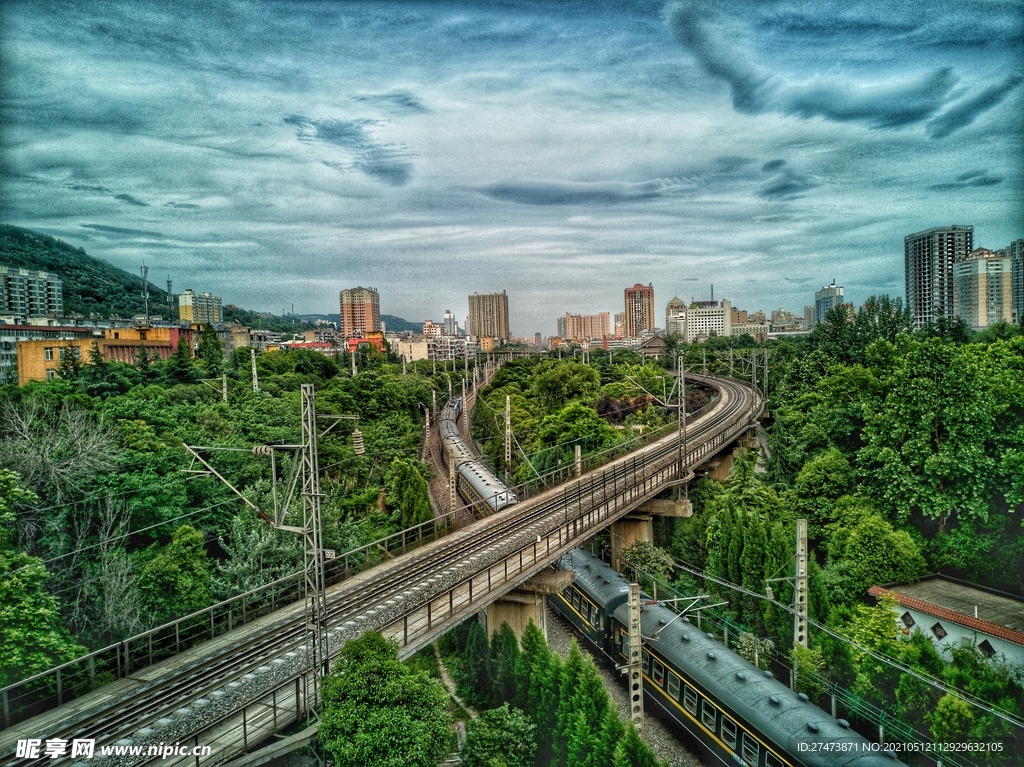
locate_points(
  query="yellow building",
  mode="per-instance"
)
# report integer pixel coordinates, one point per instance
(201, 308)
(39, 360)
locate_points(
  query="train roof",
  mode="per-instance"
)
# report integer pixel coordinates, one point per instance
(482, 480)
(596, 579)
(770, 706)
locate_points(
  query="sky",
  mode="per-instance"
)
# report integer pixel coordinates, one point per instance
(275, 153)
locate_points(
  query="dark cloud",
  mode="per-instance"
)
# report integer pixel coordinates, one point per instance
(88, 188)
(965, 111)
(119, 230)
(967, 180)
(755, 90)
(529, 192)
(131, 200)
(786, 183)
(377, 160)
(399, 102)
(182, 205)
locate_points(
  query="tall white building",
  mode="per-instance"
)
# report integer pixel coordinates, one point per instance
(928, 259)
(25, 293)
(699, 321)
(825, 300)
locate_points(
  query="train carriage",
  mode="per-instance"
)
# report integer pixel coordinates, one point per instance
(739, 714)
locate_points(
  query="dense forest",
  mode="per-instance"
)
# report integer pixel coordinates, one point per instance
(105, 533)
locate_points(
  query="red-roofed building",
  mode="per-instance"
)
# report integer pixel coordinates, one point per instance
(948, 611)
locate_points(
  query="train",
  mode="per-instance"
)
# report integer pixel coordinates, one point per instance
(475, 483)
(739, 714)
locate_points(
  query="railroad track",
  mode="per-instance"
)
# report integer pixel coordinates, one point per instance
(271, 652)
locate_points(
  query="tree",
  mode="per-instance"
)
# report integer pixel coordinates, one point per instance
(35, 637)
(180, 367)
(631, 751)
(502, 662)
(408, 493)
(210, 354)
(257, 554)
(176, 580)
(71, 364)
(376, 712)
(646, 562)
(501, 737)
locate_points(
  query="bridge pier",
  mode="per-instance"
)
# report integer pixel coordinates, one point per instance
(528, 602)
(632, 528)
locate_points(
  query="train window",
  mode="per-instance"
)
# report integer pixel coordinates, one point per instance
(729, 732)
(708, 714)
(624, 639)
(647, 663)
(576, 599)
(771, 760)
(673, 686)
(690, 700)
(750, 749)
(658, 674)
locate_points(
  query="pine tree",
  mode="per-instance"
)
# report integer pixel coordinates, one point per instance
(180, 367)
(503, 660)
(612, 731)
(210, 353)
(474, 685)
(631, 751)
(71, 364)
(752, 572)
(565, 714)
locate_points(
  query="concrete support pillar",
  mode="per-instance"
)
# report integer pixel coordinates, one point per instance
(527, 603)
(627, 531)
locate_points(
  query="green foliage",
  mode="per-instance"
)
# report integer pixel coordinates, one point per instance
(175, 581)
(631, 751)
(376, 712)
(407, 492)
(502, 663)
(210, 355)
(34, 635)
(257, 554)
(645, 562)
(500, 737)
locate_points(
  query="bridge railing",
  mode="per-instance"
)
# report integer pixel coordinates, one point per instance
(72, 679)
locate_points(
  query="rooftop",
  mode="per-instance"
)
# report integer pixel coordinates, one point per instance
(990, 612)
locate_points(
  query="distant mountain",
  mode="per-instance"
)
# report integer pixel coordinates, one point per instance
(391, 322)
(91, 286)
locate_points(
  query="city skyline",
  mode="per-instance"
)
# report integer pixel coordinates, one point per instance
(275, 154)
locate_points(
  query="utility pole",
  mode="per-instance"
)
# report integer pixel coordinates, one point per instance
(352, 356)
(465, 411)
(800, 585)
(145, 291)
(681, 414)
(579, 460)
(170, 301)
(508, 434)
(451, 485)
(312, 533)
(635, 664)
(255, 375)
(224, 386)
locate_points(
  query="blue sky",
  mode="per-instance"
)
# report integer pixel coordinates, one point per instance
(277, 152)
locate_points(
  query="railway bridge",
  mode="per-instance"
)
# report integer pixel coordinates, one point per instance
(238, 690)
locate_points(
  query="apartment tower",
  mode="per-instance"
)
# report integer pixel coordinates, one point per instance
(928, 259)
(825, 300)
(983, 289)
(639, 310)
(200, 308)
(488, 315)
(360, 312)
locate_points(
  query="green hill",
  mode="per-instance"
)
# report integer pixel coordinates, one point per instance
(91, 286)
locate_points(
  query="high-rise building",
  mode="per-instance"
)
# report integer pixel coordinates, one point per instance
(928, 259)
(25, 293)
(620, 325)
(674, 306)
(699, 321)
(580, 327)
(810, 316)
(1015, 252)
(199, 308)
(983, 289)
(488, 315)
(451, 327)
(560, 325)
(360, 312)
(825, 300)
(639, 310)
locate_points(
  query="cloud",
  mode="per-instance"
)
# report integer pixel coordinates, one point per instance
(755, 90)
(131, 200)
(122, 231)
(786, 183)
(965, 111)
(969, 179)
(182, 205)
(379, 161)
(529, 192)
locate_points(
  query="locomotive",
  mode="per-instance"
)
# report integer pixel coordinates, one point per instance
(739, 714)
(475, 483)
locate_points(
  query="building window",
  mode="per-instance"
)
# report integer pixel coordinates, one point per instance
(940, 633)
(48, 353)
(51, 374)
(908, 620)
(987, 649)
